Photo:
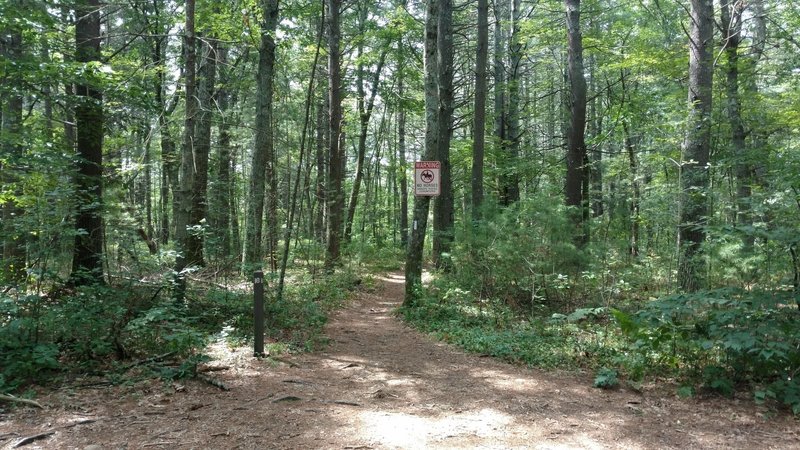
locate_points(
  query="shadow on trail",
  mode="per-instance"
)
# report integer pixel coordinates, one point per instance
(398, 389)
(380, 384)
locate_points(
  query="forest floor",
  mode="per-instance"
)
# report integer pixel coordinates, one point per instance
(381, 385)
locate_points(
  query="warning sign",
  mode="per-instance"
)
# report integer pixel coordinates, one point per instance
(427, 178)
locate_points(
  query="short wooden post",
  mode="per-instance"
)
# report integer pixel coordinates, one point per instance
(258, 313)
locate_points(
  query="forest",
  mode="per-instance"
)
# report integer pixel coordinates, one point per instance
(620, 183)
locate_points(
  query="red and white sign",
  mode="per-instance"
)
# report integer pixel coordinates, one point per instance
(427, 181)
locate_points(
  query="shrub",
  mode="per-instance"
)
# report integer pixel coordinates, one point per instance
(722, 339)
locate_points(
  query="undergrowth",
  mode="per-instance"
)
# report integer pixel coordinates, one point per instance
(720, 342)
(106, 330)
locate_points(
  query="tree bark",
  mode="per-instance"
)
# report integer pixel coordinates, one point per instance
(443, 213)
(419, 223)
(479, 121)
(262, 168)
(500, 108)
(401, 156)
(202, 147)
(220, 208)
(13, 252)
(87, 261)
(731, 25)
(509, 184)
(364, 115)
(576, 144)
(335, 195)
(696, 148)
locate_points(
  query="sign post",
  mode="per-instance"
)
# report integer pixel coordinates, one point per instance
(258, 313)
(427, 176)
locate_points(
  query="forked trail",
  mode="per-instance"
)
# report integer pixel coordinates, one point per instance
(379, 384)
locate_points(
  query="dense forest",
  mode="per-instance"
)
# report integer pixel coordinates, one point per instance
(620, 180)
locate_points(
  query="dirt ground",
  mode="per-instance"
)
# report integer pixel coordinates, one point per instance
(381, 385)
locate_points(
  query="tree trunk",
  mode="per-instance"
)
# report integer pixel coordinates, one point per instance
(479, 122)
(576, 144)
(87, 261)
(419, 223)
(364, 115)
(500, 113)
(13, 262)
(202, 148)
(402, 163)
(263, 157)
(184, 198)
(510, 172)
(319, 193)
(731, 25)
(220, 210)
(696, 148)
(335, 195)
(443, 213)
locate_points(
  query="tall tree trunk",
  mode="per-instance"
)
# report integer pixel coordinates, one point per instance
(184, 198)
(576, 144)
(220, 210)
(419, 223)
(696, 148)
(479, 122)
(169, 157)
(87, 260)
(319, 192)
(263, 151)
(509, 184)
(731, 25)
(443, 213)
(595, 129)
(401, 151)
(335, 195)
(364, 115)
(202, 147)
(500, 112)
(13, 253)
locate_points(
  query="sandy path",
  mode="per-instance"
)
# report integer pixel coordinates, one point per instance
(379, 385)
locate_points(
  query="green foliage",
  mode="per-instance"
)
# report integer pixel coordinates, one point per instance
(722, 339)
(494, 329)
(606, 378)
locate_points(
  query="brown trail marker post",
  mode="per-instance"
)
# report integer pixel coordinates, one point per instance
(258, 313)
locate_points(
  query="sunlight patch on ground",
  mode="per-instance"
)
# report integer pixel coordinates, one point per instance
(393, 278)
(501, 380)
(399, 430)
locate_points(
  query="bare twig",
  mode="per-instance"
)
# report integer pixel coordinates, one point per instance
(212, 381)
(27, 440)
(11, 398)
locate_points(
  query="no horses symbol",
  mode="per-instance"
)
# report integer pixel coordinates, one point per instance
(426, 178)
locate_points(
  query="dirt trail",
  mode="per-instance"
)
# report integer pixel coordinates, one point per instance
(381, 385)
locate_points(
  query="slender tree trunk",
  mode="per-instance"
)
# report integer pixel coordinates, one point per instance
(319, 215)
(402, 163)
(335, 195)
(87, 261)
(500, 110)
(220, 203)
(202, 148)
(731, 25)
(187, 170)
(576, 144)
(443, 213)
(419, 223)
(263, 151)
(479, 122)
(696, 148)
(364, 115)
(510, 172)
(13, 262)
